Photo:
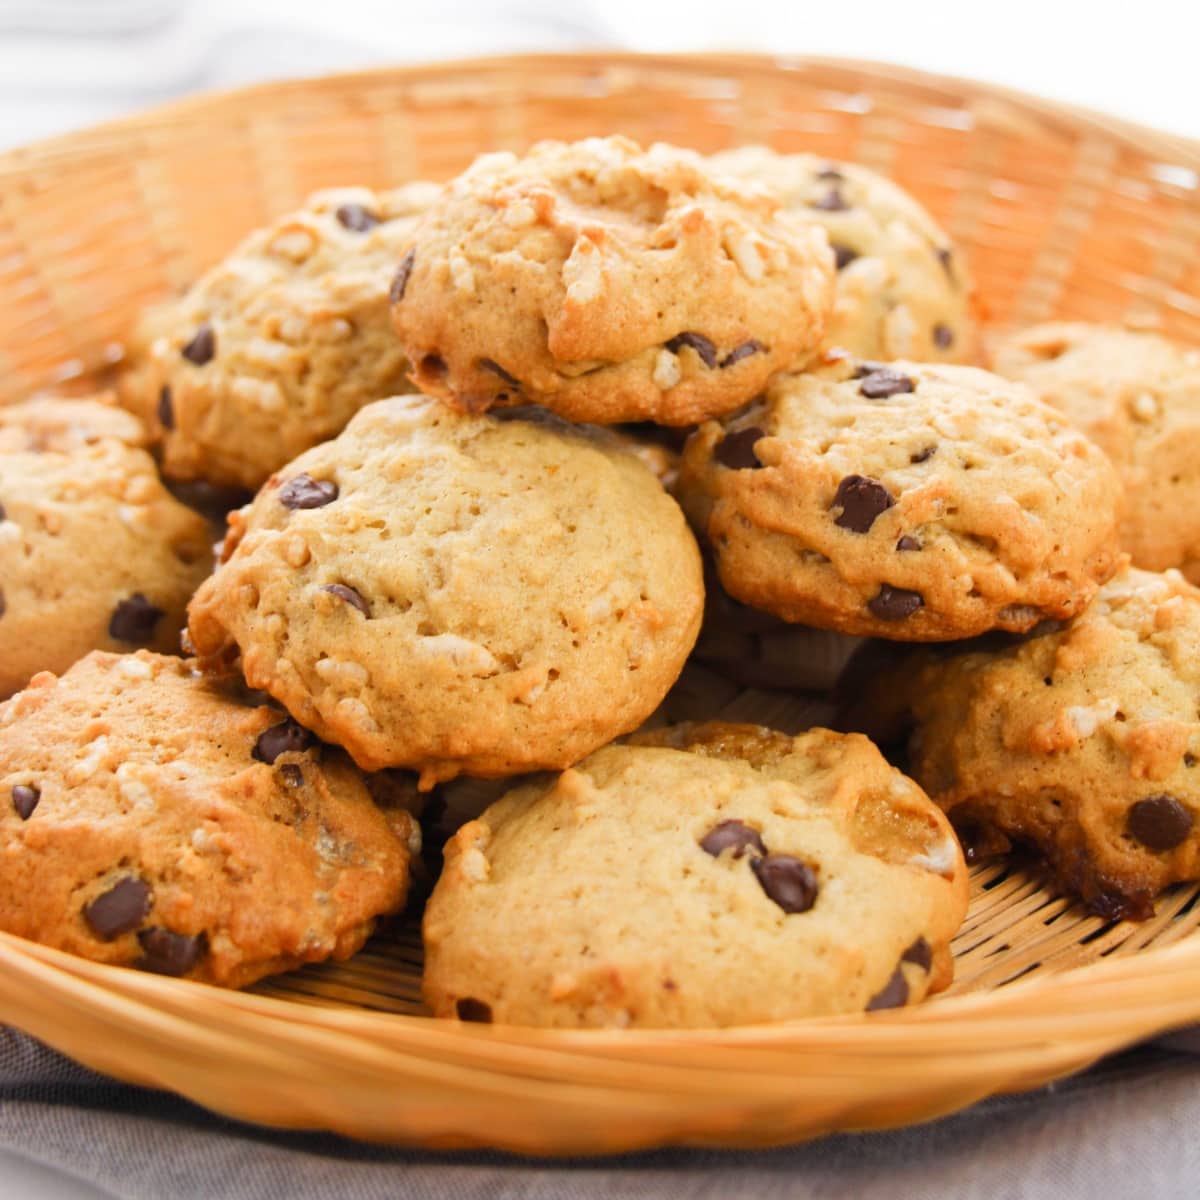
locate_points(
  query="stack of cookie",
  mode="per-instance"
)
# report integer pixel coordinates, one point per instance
(486, 579)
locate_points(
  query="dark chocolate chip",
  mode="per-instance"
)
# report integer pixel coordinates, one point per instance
(736, 450)
(735, 834)
(789, 881)
(435, 364)
(946, 257)
(1159, 822)
(400, 281)
(843, 256)
(356, 218)
(861, 500)
(908, 543)
(202, 346)
(923, 455)
(893, 995)
(3, 603)
(303, 491)
(166, 410)
(1189, 759)
(349, 595)
(699, 343)
(3, 514)
(470, 1009)
(920, 953)
(285, 738)
(118, 910)
(884, 383)
(829, 171)
(753, 346)
(25, 800)
(894, 604)
(167, 953)
(496, 369)
(133, 620)
(832, 201)
(292, 775)
(943, 336)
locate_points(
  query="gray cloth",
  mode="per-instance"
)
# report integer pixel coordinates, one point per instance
(1126, 1128)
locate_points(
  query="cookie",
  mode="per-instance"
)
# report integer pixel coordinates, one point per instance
(150, 819)
(911, 502)
(1137, 396)
(903, 290)
(458, 593)
(276, 347)
(63, 425)
(608, 283)
(711, 875)
(1082, 741)
(94, 552)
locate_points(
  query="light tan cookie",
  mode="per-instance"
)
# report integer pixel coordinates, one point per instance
(94, 554)
(608, 283)
(458, 593)
(150, 819)
(276, 347)
(708, 876)
(903, 290)
(1137, 396)
(64, 425)
(911, 502)
(1082, 742)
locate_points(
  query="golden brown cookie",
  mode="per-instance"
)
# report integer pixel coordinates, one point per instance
(63, 425)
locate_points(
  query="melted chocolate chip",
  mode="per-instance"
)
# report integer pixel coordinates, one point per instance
(496, 369)
(920, 953)
(285, 738)
(736, 450)
(470, 1009)
(400, 281)
(118, 910)
(699, 343)
(894, 604)
(349, 595)
(908, 543)
(790, 882)
(943, 336)
(133, 620)
(893, 995)
(861, 500)
(303, 491)
(166, 410)
(1159, 822)
(832, 201)
(735, 356)
(292, 775)
(735, 834)
(883, 383)
(167, 953)
(202, 347)
(356, 218)
(923, 455)
(25, 800)
(843, 256)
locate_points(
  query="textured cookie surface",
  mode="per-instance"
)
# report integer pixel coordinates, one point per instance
(911, 502)
(149, 818)
(609, 284)
(94, 552)
(458, 593)
(902, 287)
(1137, 396)
(63, 425)
(276, 347)
(709, 876)
(1083, 741)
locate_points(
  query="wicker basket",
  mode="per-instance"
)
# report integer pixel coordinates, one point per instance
(1064, 213)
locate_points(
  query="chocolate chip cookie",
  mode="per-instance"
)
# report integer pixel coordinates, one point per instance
(903, 290)
(905, 501)
(608, 283)
(458, 593)
(64, 425)
(709, 875)
(152, 818)
(276, 347)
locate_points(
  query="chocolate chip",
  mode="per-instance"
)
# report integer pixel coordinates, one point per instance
(908, 543)
(884, 383)
(735, 834)
(167, 953)
(946, 257)
(303, 491)
(349, 595)
(356, 218)
(736, 450)
(843, 256)
(118, 910)
(861, 500)
(292, 775)
(25, 800)
(285, 738)
(753, 346)
(133, 620)
(1159, 822)
(920, 953)
(434, 364)
(1189, 759)
(829, 171)
(894, 604)
(166, 410)
(832, 201)
(791, 883)
(400, 281)
(923, 455)
(470, 1009)
(893, 995)
(943, 336)
(496, 369)
(699, 343)
(3, 603)
(202, 346)
(3, 514)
